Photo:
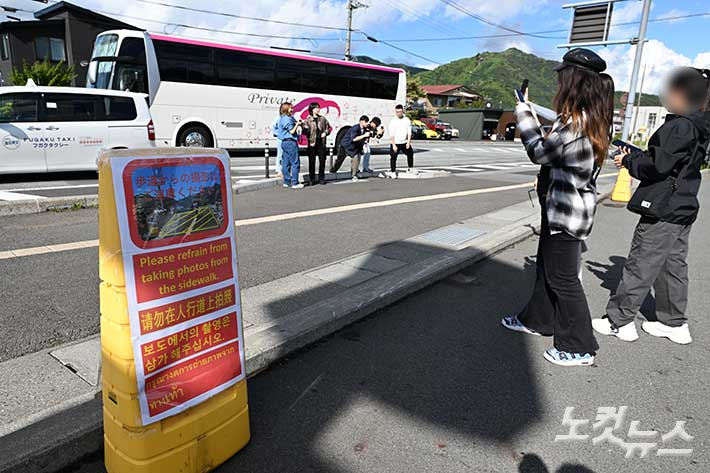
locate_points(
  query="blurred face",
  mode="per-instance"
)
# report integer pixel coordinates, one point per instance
(290, 110)
(363, 124)
(399, 112)
(674, 101)
(316, 111)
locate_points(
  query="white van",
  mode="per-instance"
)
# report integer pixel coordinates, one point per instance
(50, 129)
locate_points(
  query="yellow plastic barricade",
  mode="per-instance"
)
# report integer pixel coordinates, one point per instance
(622, 188)
(173, 376)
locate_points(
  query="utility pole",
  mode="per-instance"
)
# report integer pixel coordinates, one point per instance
(352, 5)
(635, 72)
(638, 103)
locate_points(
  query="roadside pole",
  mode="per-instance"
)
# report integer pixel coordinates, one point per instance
(635, 71)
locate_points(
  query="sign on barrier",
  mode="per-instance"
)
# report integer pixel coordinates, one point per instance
(175, 221)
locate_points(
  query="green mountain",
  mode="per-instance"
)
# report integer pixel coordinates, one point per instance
(495, 75)
(411, 70)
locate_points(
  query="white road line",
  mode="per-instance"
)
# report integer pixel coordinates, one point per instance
(452, 168)
(495, 167)
(51, 188)
(371, 205)
(438, 150)
(289, 216)
(14, 196)
(40, 250)
(461, 150)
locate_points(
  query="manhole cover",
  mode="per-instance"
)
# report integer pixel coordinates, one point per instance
(454, 235)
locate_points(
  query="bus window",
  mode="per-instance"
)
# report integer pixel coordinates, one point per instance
(359, 82)
(288, 74)
(184, 62)
(313, 77)
(231, 70)
(132, 76)
(383, 84)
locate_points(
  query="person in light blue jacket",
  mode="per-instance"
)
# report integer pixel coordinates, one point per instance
(287, 132)
(279, 151)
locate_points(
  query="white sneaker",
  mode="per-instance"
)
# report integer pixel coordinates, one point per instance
(297, 186)
(355, 179)
(626, 332)
(680, 335)
(286, 185)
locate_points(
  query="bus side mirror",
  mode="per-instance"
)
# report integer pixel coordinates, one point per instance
(91, 72)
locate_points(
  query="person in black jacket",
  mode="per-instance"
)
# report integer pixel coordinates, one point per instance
(659, 249)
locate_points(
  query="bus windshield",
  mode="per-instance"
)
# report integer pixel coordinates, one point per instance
(106, 45)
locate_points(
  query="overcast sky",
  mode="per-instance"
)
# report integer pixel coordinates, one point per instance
(418, 26)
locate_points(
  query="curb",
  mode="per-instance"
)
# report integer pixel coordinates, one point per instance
(37, 205)
(66, 438)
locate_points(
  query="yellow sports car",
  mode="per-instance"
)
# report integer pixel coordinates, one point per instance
(421, 131)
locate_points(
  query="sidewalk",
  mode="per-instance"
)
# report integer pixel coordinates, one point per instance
(280, 317)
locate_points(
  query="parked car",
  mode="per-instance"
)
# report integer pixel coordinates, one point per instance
(439, 126)
(46, 129)
(421, 131)
(454, 131)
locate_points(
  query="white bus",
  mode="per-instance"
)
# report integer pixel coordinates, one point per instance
(210, 94)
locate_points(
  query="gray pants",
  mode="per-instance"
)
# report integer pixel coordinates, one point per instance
(658, 258)
(354, 165)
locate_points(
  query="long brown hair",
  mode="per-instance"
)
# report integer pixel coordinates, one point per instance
(587, 98)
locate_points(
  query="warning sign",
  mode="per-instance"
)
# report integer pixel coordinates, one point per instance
(177, 237)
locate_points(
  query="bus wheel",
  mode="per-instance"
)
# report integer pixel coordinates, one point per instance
(195, 136)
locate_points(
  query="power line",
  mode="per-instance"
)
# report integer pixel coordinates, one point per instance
(241, 17)
(216, 30)
(461, 9)
(507, 35)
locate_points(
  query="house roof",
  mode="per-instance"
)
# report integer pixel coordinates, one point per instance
(57, 7)
(440, 89)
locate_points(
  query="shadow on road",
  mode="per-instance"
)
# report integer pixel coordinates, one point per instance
(534, 464)
(610, 276)
(438, 358)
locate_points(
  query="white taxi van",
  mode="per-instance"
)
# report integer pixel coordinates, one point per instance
(53, 129)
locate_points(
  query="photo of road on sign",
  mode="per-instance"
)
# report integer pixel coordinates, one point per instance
(173, 201)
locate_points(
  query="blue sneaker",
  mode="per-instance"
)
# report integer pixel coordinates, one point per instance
(563, 358)
(512, 323)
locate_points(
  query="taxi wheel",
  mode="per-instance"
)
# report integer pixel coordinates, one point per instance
(195, 136)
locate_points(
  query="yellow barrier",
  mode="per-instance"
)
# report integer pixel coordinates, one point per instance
(179, 409)
(622, 188)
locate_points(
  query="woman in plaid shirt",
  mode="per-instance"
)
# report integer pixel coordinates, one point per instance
(567, 192)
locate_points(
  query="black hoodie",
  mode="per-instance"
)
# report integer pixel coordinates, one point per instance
(679, 146)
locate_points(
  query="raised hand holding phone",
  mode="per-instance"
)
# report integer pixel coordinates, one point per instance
(521, 94)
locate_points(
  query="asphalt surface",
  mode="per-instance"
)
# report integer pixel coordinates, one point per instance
(249, 167)
(433, 383)
(57, 294)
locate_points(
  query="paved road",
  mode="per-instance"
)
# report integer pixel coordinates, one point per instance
(433, 383)
(57, 293)
(465, 158)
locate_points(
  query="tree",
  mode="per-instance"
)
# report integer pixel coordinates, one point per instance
(44, 73)
(414, 89)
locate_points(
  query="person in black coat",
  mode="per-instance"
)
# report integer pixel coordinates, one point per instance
(659, 249)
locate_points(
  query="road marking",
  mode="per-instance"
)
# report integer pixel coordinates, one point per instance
(51, 188)
(438, 150)
(461, 150)
(39, 250)
(14, 196)
(372, 205)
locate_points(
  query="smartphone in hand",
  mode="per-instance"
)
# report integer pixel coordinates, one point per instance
(624, 144)
(520, 93)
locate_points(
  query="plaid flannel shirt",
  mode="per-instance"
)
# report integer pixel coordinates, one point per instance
(572, 196)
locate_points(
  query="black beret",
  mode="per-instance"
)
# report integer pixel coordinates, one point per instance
(583, 59)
